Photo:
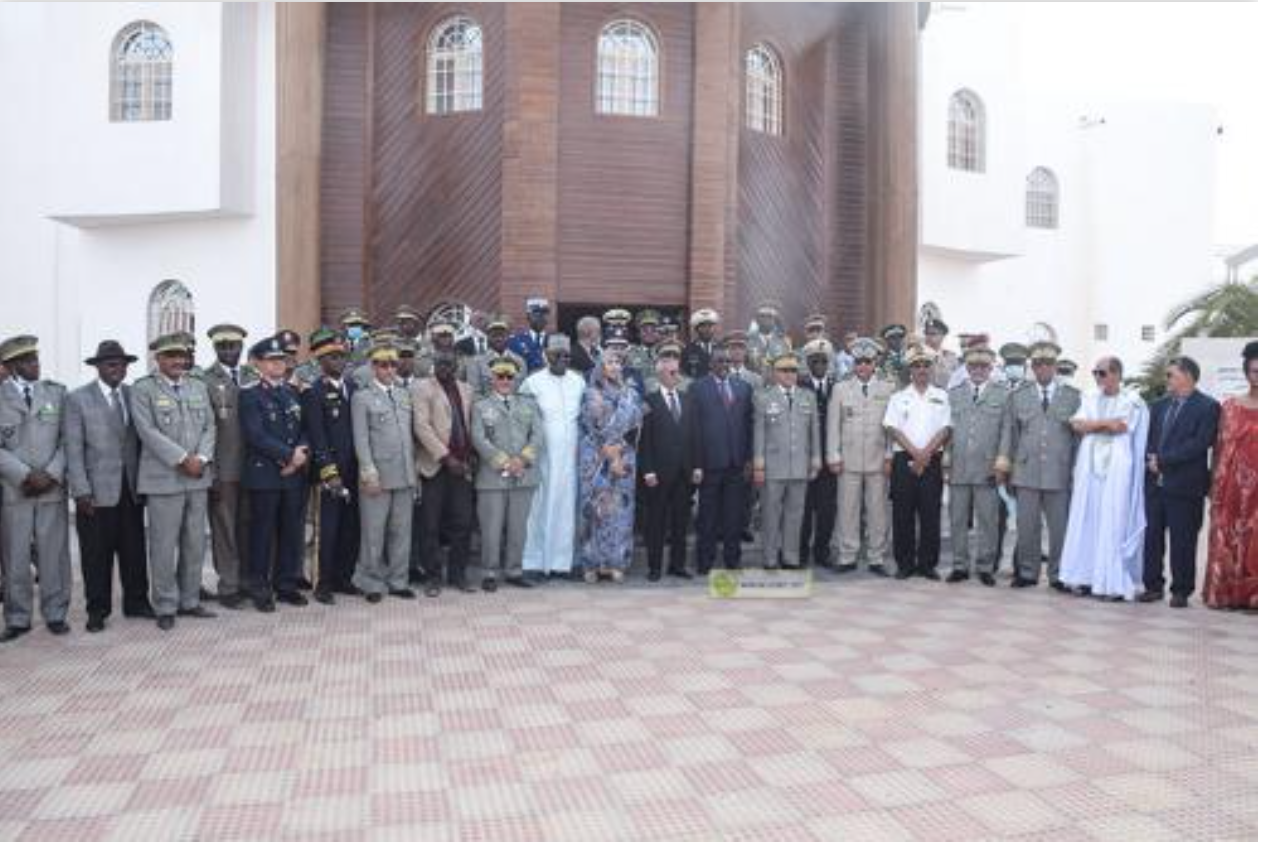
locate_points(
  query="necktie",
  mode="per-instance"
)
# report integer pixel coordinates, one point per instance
(236, 377)
(790, 398)
(1169, 418)
(117, 405)
(976, 394)
(673, 405)
(864, 389)
(26, 394)
(1044, 398)
(726, 392)
(175, 387)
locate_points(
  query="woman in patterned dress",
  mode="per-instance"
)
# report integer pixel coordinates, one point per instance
(1232, 579)
(610, 415)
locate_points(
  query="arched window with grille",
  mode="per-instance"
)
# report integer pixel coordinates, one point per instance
(1042, 198)
(967, 132)
(170, 310)
(454, 67)
(765, 90)
(140, 73)
(627, 70)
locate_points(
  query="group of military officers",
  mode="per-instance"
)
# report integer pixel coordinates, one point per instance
(393, 434)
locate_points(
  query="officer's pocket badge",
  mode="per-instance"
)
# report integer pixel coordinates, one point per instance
(8, 432)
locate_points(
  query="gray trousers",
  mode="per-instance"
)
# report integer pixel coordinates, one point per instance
(177, 548)
(386, 524)
(1032, 504)
(983, 502)
(229, 531)
(47, 527)
(782, 509)
(502, 518)
(862, 498)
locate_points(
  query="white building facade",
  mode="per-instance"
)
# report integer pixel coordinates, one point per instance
(1090, 219)
(137, 174)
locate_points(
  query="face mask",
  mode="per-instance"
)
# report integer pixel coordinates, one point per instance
(354, 333)
(1014, 372)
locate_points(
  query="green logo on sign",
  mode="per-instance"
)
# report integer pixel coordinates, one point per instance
(724, 583)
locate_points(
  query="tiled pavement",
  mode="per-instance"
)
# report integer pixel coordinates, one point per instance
(875, 710)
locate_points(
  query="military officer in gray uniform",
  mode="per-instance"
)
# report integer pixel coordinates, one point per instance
(1013, 375)
(736, 348)
(1042, 457)
(508, 434)
(666, 349)
(478, 371)
(228, 511)
(33, 483)
(641, 355)
(787, 454)
(977, 464)
(382, 427)
(858, 451)
(176, 425)
(768, 340)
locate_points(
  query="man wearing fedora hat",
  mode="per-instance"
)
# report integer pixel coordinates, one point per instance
(32, 480)
(102, 464)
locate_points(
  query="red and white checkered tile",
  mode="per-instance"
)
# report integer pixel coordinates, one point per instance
(875, 710)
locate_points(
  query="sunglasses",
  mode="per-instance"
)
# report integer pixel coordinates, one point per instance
(503, 376)
(385, 363)
(1099, 373)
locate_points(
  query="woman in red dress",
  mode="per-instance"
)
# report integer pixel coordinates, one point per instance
(1232, 567)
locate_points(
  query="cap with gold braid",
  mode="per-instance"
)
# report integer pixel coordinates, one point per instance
(1045, 352)
(226, 333)
(18, 347)
(505, 366)
(171, 343)
(384, 352)
(980, 355)
(324, 341)
(818, 348)
(786, 361)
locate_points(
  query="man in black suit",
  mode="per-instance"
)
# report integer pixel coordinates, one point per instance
(327, 422)
(1183, 429)
(720, 407)
(697, 359)
(820, 509)
(664, 458)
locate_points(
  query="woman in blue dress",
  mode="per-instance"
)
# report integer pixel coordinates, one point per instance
(608, 421)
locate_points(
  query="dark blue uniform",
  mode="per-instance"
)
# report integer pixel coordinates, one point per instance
(526, 345)
(272, 427)
(327, 422)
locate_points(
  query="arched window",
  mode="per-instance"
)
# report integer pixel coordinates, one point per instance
(1042, 198)
(170, 310)
(454, 67)
(140, 73)
(764, 90)
(967, 132)
(627, 70)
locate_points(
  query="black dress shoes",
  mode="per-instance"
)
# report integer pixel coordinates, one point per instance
(432, 590)
(348, 590)
(490, 585)
(167, 622)
(1179, 600)
(265, 605)
(957, 576)
(324, 596)
(903, 574)
(233, 602)
(292, 598)
(931, 574)
(879, 570)
(404, 593)
(464, 587)
(197, 612)
(519, 582)
(372, 598)
(59, 627)
(1151, 596)
(846, 568)
(987, 579)
(96, 623)
(680, 573)
(13, 633)
(654, 576)
(144, 613)
(1058, 586)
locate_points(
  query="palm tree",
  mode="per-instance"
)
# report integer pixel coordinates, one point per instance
(1227, 309)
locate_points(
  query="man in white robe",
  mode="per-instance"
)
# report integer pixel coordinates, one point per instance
(1106, 530)
(559, 392)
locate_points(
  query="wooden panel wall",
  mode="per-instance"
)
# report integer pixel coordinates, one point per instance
(847, 298)
(624, 181)
(434, 218)
(344, 159)
(783, 236)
